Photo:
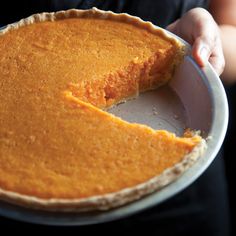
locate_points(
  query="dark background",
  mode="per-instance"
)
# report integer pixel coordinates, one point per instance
(230, 152)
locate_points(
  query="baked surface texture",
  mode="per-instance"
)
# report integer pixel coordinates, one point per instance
(59, 150)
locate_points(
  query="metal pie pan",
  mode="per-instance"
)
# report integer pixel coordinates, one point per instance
(194, 98)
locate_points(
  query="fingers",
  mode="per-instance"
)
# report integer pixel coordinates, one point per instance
(217, 60)
(207, 47)
(206, 44)
(199, 29)
(202, 50)
(173, 27)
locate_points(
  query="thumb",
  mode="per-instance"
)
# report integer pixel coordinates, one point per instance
(202, 50)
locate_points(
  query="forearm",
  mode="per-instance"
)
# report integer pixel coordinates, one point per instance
(228, 37)
(223, 12)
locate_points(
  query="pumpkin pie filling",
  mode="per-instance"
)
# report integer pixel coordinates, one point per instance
(55, 76)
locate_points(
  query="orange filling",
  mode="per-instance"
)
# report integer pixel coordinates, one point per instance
(53, 144)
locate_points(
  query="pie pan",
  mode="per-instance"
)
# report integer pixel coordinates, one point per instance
(194, 98)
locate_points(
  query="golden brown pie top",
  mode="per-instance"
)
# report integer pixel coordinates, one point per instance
(54, 143)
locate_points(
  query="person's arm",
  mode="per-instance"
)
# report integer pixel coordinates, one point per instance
(224, 13)
(199, 28)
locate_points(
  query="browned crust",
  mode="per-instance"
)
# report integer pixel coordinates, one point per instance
(106, 201)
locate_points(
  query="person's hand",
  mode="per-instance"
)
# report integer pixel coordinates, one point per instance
(198, 28)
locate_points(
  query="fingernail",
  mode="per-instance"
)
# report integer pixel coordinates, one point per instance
(204, 54)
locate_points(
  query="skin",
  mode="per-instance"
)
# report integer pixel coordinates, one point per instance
(212, 36)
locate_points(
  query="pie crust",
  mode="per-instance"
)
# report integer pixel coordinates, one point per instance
(126, 195)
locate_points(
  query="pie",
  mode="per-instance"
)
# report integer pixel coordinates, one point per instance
(59, 147)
